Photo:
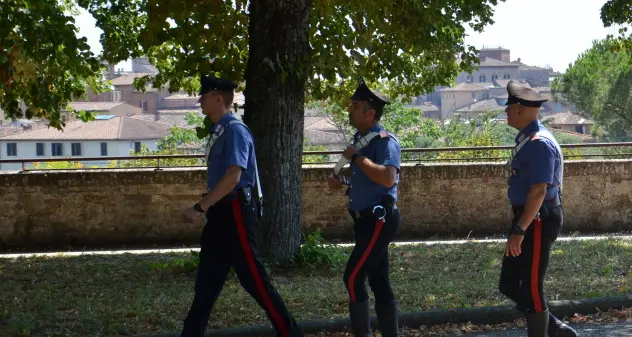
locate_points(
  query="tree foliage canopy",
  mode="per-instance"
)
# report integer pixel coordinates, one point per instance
(42, 61)
(599, 83)
(412, 46)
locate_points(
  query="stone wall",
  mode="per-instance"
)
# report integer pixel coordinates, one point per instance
(46, 209)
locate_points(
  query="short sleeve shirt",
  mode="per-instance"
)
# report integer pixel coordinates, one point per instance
(539, 161)
(385, 150)
(235, 147)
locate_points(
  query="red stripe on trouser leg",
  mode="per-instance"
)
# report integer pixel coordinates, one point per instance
(535, 265)
(250, 260)
(376, 232)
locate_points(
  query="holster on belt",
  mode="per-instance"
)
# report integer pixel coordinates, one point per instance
(245, 194)
(388, 202)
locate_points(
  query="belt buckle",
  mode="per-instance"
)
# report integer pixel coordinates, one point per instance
(378, 207)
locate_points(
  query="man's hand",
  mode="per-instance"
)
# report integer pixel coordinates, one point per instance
(190, 215)
(349, 152)
(513, 245)
(333, 182)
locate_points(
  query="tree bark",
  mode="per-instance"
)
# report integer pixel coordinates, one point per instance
(274, 109)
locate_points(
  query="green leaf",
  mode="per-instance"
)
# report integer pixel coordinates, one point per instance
(598, 83)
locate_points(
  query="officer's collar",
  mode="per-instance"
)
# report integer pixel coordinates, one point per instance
(532, 127)
(375, 128)
(225, 119)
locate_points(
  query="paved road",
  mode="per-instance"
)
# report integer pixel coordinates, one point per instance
(618, 329)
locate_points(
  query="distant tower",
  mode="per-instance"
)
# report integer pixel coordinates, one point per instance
(499, 53)
(142, 65)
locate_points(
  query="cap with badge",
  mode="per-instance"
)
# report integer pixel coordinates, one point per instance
(523, 95)
(363, 93)
(211, 83)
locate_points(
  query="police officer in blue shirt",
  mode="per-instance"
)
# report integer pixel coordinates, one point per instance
(534, 192)
(231, 209)
(373, 177)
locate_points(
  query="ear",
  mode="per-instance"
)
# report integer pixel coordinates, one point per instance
(370, 112)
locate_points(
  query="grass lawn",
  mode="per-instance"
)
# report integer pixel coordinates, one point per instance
(131, 294)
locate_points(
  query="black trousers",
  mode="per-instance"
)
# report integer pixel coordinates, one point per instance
(522, 277)
(370, 257)
(229, 240)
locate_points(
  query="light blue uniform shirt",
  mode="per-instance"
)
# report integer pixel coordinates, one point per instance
(538, 161)
(363, 191)
(234, 148)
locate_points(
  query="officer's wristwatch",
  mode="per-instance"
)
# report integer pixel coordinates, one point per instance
(517, 230)
(198, 207)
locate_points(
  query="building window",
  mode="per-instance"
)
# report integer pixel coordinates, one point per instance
(137, 147)
(473, 94)
(143, 105)
(39, 149)
(57, 149)
(75, 149)
(579, 128)
(104, 149)
(12, 149)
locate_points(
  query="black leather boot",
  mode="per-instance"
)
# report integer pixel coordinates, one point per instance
(360, 314)
(537, 324)
(387, 318)
(558, 329)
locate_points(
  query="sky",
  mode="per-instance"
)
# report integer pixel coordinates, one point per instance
(539, 32)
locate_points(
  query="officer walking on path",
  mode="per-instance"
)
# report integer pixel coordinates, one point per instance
(232, 212)
(372, 177)
(535, 187)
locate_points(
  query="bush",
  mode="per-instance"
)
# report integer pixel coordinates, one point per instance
(315, 253)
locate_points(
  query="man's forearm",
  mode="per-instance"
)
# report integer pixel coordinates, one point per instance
(223, 187)
(378, 173)
(535, 197)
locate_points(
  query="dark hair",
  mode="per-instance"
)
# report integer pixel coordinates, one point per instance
(379, 109)
(228, 97)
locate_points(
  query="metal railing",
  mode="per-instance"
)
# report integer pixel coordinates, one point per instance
(409, 155)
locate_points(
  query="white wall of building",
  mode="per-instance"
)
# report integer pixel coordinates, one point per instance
(27, 149)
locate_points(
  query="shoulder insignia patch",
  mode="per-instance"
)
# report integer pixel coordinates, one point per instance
(538, 136)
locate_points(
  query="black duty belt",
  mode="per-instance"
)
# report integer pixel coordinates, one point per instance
(240, 193)
(547, 205)
(228, 198)
(377, 211)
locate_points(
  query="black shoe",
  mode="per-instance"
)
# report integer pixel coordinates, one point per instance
(558, 329)
(537, 324)
(387, 318)
(360, 314)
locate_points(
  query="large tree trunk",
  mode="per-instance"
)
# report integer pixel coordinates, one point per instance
(275, 96)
